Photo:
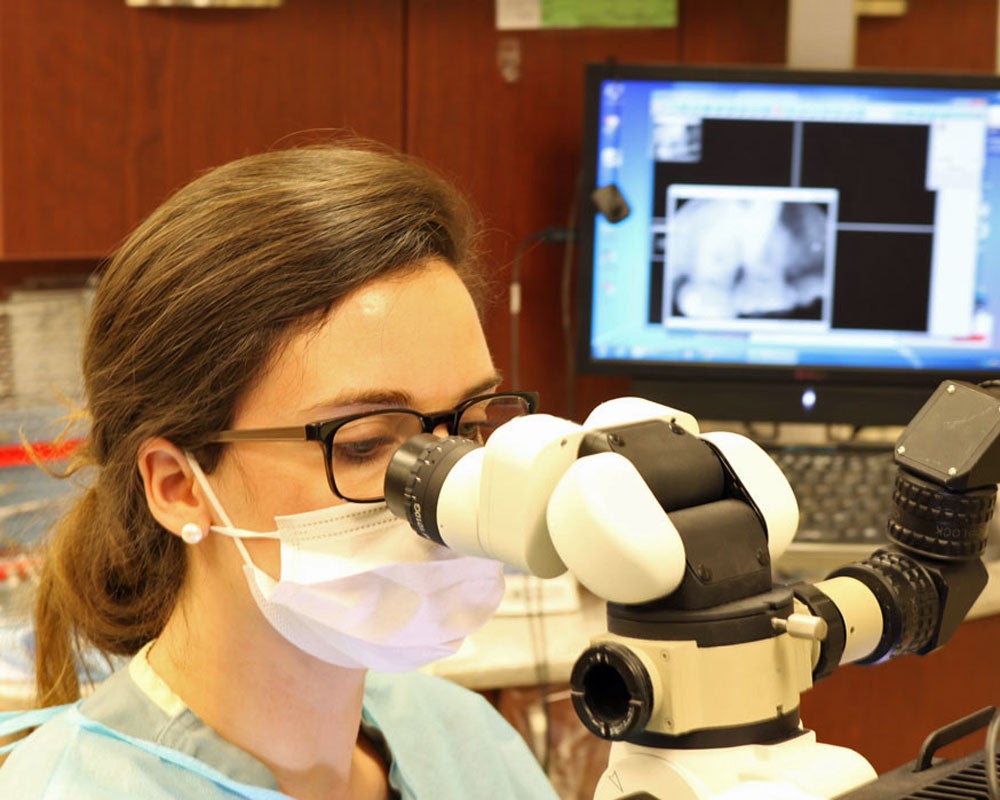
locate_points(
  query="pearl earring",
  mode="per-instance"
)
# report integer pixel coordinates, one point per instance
(192, 532)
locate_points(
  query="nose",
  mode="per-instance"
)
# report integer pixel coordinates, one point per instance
(441, 430)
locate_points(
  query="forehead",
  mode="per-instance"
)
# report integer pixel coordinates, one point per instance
(413, 335)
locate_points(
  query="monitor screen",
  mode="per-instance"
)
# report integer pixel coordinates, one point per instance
(781, 245)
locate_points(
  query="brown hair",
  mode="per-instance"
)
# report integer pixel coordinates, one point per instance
(186, 315)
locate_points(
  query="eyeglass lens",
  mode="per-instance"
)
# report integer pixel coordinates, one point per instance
(362, 448)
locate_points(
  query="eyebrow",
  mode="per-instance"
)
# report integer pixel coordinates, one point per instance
(356, 401)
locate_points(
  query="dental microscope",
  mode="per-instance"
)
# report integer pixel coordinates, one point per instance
(697, 680)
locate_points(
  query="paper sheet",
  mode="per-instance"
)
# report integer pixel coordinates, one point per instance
(533, 14)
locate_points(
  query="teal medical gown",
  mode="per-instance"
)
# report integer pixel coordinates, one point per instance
(441, 742)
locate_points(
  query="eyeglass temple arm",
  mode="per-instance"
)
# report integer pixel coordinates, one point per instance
(263, 435)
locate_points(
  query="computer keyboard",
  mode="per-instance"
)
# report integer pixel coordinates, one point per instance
(844, 493)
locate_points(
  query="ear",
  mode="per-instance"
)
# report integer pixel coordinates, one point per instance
(172, 491)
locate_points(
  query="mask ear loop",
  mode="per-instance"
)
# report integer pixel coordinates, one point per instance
(229, 530)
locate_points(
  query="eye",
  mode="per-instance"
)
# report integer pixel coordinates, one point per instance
(475, 429)
(363, 450)
(372, 439)
(479, 420)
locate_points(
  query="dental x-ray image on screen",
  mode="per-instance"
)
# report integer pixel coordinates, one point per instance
(748, 253)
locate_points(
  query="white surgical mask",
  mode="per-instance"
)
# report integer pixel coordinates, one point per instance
(358, 588)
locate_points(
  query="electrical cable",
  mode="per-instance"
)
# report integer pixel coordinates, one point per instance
(551, 234)
(566, 298)
(567, 329)
(515, 307)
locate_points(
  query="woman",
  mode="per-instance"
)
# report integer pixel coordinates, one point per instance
(258, 347)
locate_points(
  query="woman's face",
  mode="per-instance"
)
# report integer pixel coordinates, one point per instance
(407, 340)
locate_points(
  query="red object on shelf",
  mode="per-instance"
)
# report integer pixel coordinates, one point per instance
(18, 568)
(13, 455)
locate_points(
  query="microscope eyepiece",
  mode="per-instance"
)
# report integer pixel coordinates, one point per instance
(415, 476)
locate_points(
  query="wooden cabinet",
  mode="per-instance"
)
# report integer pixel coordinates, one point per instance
(105, 109)
(933, 35)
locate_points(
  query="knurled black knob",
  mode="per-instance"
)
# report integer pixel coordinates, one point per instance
(907, 597)
(933, 521)
(916, 599)
(415, 475)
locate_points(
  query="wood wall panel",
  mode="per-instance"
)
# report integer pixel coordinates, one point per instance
(98, 128)
(733, 31)
(515, 147)
(949, 35)
(61, 97)
(886, 711)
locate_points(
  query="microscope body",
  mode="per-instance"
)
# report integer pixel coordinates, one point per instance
(799, 768)
(723, 722)
(697, 680)
(699, 689)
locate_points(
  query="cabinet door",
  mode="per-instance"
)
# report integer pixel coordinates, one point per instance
(932, 35)
(106, 109)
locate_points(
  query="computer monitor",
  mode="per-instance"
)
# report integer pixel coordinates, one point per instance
(795, 246)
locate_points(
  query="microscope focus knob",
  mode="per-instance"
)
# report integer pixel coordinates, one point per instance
(908, 599)
(611, 691)
(930, 520)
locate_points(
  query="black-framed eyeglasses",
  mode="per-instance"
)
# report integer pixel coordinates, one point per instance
(359, 447)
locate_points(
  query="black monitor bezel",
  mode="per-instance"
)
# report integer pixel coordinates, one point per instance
(772, 393)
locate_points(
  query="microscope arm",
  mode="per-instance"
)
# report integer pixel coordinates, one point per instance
(911, 596)
(893, 603)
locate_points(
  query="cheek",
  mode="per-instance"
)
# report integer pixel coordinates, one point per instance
(264, 480)
(261, 482)
(266, 555)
